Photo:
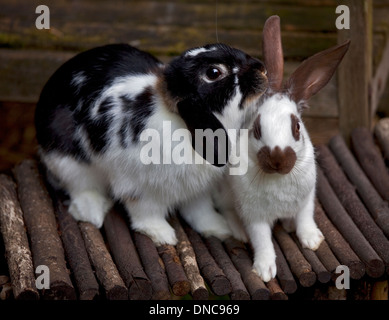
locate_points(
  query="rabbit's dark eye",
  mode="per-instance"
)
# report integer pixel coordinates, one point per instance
(295, 127)
(213, 73)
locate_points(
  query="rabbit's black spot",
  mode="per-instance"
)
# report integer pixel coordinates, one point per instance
(137, 112)
(124, 133)
(61, 134)
(106, 105)
(78, 81)
(143, 108)
(97, 126)
(97, 129)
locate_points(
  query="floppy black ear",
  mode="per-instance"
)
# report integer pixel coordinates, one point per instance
(209, 137)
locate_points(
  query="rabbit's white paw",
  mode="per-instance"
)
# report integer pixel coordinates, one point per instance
(266, 266)
(160, 231)
(310, 238)
(216, 225)
(90, 206)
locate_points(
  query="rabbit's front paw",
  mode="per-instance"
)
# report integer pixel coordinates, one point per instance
(90, 206)
(160, 231)
(310, 238)
(266, 268)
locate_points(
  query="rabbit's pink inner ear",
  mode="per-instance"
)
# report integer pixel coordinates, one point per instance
(272, 52)
(315, 72)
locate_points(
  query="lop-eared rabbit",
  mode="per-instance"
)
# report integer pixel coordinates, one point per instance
(101, 109)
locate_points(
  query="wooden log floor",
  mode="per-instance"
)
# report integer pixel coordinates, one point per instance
(116, 263)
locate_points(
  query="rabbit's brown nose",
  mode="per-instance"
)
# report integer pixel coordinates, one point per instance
(276, 160)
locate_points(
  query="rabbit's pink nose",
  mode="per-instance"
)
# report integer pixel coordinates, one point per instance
(276, 160)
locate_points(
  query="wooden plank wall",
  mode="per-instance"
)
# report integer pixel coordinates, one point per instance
(28, 56)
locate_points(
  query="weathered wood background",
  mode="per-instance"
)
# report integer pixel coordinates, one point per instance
(29, 56)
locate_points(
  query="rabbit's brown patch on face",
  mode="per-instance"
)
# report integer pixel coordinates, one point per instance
(276, 160)
(257, 128)
(295, 127)
(252, 81)
(169, 101)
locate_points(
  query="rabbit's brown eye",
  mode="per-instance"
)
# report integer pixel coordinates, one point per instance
(213, 73)
(295, 127)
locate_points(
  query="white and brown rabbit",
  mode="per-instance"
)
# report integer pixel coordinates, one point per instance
(101, 109)
(281, 177)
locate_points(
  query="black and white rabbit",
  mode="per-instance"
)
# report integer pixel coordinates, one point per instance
(281, 176)
(100, 109)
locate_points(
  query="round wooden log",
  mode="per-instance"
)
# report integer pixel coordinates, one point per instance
(284, 274)
(17, 249)
(381, 131)
(188, 260)
(5, 279)
(352, 203)
(374, 265)
(126, 257)
(371, 160)
(338, 244)
(105, 269)
(276, 292)
(377, 207)
(76, 253)
(41, 225)
(212, 273)
(298, 264)
(327, 257)
(243, 263)
(3, 261)
(175, 272)
(323, 275)
(238, 289)
(153, 266)
(6, 292)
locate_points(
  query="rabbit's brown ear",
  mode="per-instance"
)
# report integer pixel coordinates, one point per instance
(272, 52)
(315, 72)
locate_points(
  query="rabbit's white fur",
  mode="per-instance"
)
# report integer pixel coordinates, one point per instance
(262, 198)
(281, 177)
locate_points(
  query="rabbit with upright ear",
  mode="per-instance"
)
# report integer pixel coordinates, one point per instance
(103, 108)
(281, 177)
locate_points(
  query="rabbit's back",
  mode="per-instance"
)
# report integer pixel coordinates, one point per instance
(79, 102)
